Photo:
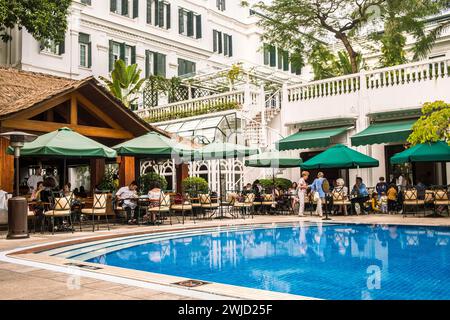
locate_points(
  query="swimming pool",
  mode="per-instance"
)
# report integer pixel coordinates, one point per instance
(327, 261)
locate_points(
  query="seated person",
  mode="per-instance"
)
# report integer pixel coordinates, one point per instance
(381, 186)
(392, 194)
(340, 192)
(374, 204)
(124, 196)
(293, 193)
(361, 195)
(82, 193)
(155, 194)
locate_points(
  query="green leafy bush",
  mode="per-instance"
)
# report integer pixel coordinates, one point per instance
(194, 185)
(107, 183)
(283, 183)
(149, 180)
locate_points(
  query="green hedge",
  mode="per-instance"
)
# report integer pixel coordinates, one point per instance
(147, 182)
(195, 185)
(283, 183)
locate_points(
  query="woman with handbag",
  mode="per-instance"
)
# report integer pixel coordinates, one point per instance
(318, 193)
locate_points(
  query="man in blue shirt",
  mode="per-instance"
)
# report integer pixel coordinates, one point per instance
(360, 195)
(316, 186)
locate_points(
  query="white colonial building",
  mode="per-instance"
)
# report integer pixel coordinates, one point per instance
(268, 99)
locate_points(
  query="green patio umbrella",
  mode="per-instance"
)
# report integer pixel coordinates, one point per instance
(340, 157)
(153, 145)
(65, 143)
(273, 159)
(424, 152)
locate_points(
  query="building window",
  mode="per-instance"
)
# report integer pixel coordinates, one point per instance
(84, 42)
(53, 47)
(126, 8)
(88, 2)
(185, 67)
(283, 60)
(189, 23)
(296, 63)
(155, 64)
(270, 55)
(222, 43)
(122, 51)
(158, 13)
(220, 4)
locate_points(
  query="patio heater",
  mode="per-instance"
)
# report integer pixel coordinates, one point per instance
(17, 206)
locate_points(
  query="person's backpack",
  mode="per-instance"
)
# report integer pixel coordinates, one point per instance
(325, 185)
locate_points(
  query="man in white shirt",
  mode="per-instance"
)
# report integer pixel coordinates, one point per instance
(124, 195)
(34, 179)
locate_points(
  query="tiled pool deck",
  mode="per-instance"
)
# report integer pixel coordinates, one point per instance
(26, 282)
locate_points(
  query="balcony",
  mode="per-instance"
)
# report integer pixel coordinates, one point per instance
(380, 90)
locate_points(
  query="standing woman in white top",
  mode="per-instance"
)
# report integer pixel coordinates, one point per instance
(302, 186)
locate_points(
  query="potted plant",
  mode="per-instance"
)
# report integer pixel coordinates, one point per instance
(145, 182)
(195, 185)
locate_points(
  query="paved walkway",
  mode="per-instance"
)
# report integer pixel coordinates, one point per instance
(24, 282)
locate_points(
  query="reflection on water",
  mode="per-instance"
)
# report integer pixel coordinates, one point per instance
(323, 261)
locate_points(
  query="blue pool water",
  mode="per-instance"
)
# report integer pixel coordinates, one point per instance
(321, 261)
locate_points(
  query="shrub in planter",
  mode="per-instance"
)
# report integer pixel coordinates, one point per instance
(147, 182)
(107, 183)
(194, 185)
(283, 183)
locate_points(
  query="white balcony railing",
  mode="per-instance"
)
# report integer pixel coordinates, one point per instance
(197, 106)
(372, 80)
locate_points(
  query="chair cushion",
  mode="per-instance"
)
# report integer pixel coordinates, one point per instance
(196, 205)
(31, 213)
(57, 213)
(210, 205)
(268, 203)
(158, 209)
(442, 202)
(181, 207)
(95, 211)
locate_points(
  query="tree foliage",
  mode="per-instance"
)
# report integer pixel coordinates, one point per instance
(433, 125)
(303, 24)
(125, 82)
(402, 17)
(43, 19)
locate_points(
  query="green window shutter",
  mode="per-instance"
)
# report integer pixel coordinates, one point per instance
(156, 12)
(161, 14)
(89, 54)
(198, 26)
(125, 7)
(266, 54)
(86, 2)
(113, 5)
(285, 61)
(135, 8)
(161, 65)
(220, 41)
(225, 44)
(122, 51)
(111, 55)
(214, 40)
(62, 48)
(230, 44)
(180, 21)
(280, 58)
(149, 11)
(133, 54)
(272, 56)
(167, 15)
(147, 63)
(190, 24)
(180, 67)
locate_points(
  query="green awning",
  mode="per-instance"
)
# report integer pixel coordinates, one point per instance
(310, 139)
(384, 132)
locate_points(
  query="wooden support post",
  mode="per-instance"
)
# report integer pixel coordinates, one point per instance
(6, 167)
(126, 170)
(73, 110)
(97, 172)
(182, 171)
